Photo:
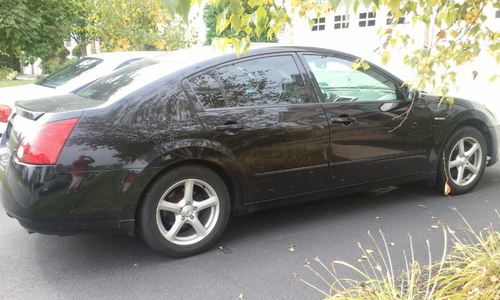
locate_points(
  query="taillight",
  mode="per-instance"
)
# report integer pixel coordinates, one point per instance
(45, 144)
(5, 112)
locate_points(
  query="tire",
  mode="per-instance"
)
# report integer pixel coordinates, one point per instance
(179, 224)
(472, 163)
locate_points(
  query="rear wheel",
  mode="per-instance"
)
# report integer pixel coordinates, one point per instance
(463, 161)
(185, 211)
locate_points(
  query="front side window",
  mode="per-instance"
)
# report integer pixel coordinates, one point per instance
(263, 81)
(339, 82)
(367, 19)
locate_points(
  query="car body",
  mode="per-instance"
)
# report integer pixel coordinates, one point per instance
(268, 124)
(69, 79)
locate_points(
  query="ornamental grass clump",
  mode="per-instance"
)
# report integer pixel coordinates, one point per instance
(471, 270)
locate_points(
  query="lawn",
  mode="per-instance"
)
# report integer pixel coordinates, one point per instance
(5, 83)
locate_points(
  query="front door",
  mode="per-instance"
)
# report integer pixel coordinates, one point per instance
(370, 138)
(259, 114)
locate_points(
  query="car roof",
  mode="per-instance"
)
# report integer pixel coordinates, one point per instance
(195, 55)
(126, 55)
(199, 58)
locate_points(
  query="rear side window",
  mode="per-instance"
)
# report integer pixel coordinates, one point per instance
(208, 90)
(263, 81)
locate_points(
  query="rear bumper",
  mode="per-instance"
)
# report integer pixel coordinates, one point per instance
(37, 196)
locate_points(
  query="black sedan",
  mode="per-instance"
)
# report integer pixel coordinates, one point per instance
(170, 148)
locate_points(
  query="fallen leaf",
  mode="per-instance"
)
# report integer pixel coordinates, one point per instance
(392, 244)
(379, 268)
(433, 217)
(364, 257)
(435, 226)
(378, 218)
(447, 189)
(240, 296)
(422, 206)
(291, 248)
(225, 250)
(369, 251)
(474, 74)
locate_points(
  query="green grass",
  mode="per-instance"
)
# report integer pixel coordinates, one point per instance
(6, 83)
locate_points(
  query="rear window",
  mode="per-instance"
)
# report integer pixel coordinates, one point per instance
(128, 79)
(70, 72)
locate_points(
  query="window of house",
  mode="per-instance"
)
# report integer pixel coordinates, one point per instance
(340, 21)
(390, 19)
(263, 81)
(67, 43)
(318, 24)
(339, 82)
(367, 19)
(208, 90)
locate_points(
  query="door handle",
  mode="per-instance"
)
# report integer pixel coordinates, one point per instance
(343, 120)
(232, 128)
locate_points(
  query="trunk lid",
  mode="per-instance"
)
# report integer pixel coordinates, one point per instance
(30, 114)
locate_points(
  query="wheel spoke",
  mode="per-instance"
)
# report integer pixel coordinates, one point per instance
(454, 164)
(460, 175)
(188, 190)
(172, 233)
(169, 206)
(472, 150)
(461, 148)
(201, 231)
(473, 169)
(201, 205)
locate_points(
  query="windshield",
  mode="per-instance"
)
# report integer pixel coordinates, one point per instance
(70, 72)
(128, 79)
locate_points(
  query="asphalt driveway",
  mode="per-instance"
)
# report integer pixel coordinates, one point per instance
(260, 252)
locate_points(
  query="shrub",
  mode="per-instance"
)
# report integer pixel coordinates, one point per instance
(7, 73)
(52, 65)
(79, 50)
(470, 271)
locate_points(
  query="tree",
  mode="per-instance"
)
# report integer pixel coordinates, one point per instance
(211, 14)
(134, 25)
(32, 29)
(458, 31)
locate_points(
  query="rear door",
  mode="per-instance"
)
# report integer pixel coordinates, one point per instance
(366, 109)
(260, 113)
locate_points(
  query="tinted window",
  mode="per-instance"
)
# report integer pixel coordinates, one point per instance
(338, 81)
(69, 72)
(263, 81)
(208, 90)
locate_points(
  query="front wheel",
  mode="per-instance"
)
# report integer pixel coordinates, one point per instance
(185, 211)
(463, 161)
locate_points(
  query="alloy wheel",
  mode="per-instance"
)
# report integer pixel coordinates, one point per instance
(465, 161)
(187, 212)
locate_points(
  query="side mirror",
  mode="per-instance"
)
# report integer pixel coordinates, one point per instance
(410, 94)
